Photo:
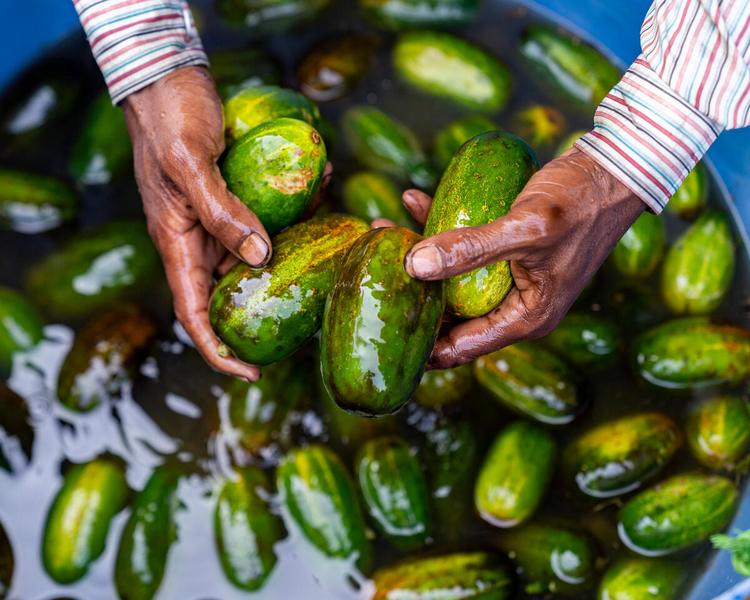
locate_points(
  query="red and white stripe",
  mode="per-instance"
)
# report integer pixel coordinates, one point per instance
(691, 82)
(136, 42)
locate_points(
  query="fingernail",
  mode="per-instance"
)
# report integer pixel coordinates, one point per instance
(254, 250)
(426, 262)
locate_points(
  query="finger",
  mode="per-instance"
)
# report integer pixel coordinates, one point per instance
(226, 218)
(226, 264)
(378, 223)
(190, 280)
(418, 204)
(320, 193)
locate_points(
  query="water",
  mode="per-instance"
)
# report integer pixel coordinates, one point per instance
(172, 411)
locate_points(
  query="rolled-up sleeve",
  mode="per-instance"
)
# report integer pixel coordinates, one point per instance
(691, 82)
(136, 42)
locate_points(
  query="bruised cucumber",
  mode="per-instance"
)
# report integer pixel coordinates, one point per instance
(319, 495)
(679, 512)
(541, 126)
(618, 456)
(380, 326)
(456, 576)
(586, 341)
(104, 355)
(699, 268)
(449, 140)
(640, 250)
(263, 315)
(149, 533)
(276, 169)
(641, 579)
(531, 381)
(448, 67)
(370, 195)
(246, 529)
(78, 520)
(20, 328)
(718, 431)
(33, 203)
(479, 186)
(692, 353)
(394, 491)
(515, 475)
(397, 15)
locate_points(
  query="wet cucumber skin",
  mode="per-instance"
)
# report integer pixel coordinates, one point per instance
(480, 185)
(394, 491)
(147, 537)
(456, 576)
(445, 387)
(618, 456)
(641, 579)
(515, 475)
(640, 250)
(32, 203)
(692, 353)
(380, 326)
(586, 341)
(699, 268)
(532, 382)
(263, 315)
(679, 512)
(16, 432)
(718, 431)
(449, 140)
(234, 71)
(20, 327)
(691, 197)
(370, 195)
(319, 495)
(398, 15)
(246, 529)
(448, 67)
(267, 16)
(276, 169)
(78, 520)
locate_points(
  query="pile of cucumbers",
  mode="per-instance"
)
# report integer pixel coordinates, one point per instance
(344, 334)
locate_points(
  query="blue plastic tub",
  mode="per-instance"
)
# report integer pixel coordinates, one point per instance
(29, 28)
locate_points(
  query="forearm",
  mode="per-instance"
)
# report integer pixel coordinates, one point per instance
(136, 42)
(691, 82)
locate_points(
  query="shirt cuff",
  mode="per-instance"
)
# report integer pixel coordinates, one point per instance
(136, 42)
(647, 136)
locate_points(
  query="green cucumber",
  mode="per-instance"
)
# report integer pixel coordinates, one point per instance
(448, 67)
(20, 328)
(113, 262)
(515, 475)
(246, 529)
(586, 341)
(370, 195)
(616, 457)
(33, 203)
(256, 105)
(16, 432)
(552, 557)
(640, 250)
(448, 141)
(43, 100)
(679, 512)
(532, 382)
(263, 315)
(78, 520)
(380, 325)
(394, 491)
(103, 149)
(384, 144)
(641, 579)
(718, 431)
(457, 576)
(276, 169)
(337, 66)
(692, 196)
(319, 496)
(574, 72)
(398, 15)
(104, 355)
(257, 411)
(6, 563)
(444, 388)
(150, 531)
(271, 15)
(541, 126)
(699, 268)
(479, 186)
(233, 71)
(692, 353)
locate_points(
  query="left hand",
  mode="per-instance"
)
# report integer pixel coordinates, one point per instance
(557, 234)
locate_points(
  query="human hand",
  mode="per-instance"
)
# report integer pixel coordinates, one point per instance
(200, 228)
(556, 236)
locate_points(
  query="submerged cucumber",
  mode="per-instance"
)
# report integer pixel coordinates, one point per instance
(409, 14)
(20, 328)
(33, 203)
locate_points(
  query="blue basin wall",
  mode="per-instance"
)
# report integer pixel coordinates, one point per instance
(29, 27)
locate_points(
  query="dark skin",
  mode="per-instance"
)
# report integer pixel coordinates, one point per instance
(558, 233)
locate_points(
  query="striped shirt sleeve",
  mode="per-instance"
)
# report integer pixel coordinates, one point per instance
(136, 42)
(691, 82)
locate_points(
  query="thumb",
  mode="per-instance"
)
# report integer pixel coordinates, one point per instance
(462, 250)
(226, 218)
